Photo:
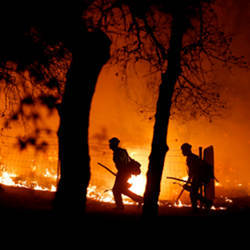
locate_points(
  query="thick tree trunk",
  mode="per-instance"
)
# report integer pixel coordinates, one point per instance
(90, 51)
(159, 147)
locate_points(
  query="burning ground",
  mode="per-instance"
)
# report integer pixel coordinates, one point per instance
(20, 195)
(29, 178)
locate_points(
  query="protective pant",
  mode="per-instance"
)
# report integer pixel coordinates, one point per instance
(120, 187)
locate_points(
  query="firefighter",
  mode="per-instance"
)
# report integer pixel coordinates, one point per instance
(121, 185)
(198, 175)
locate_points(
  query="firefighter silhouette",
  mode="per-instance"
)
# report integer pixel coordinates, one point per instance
(199, 174)
(121, 185)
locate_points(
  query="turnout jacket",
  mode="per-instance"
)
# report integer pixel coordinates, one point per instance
(121, 159)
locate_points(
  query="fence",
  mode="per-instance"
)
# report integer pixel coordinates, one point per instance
(31, 166)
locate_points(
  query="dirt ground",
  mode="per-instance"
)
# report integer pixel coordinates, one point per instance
(25, 210)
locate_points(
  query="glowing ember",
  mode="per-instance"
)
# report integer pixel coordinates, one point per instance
(179, 204)
(228, 200)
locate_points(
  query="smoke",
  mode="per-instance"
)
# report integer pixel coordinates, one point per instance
(115, 113)
(101, 136)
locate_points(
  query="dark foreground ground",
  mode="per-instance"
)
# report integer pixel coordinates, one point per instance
(28, 212)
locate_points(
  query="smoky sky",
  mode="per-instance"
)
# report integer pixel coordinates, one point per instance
(113, 114)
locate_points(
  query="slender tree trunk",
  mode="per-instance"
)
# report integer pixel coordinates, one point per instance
(159, 147)
(90, 51)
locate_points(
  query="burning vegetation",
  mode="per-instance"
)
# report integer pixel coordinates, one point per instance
(176, 49)
(46, 179)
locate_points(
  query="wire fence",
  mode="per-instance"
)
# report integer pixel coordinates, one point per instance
(31, 165)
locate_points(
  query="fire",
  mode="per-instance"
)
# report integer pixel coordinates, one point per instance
(94, 194)
(6, 179)
(179, 204)
(10, 179)
(138, 184)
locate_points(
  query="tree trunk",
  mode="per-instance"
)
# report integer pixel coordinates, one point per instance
(90, 51)
(159, 147)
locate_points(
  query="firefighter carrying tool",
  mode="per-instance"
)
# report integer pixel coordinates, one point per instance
(188, 187)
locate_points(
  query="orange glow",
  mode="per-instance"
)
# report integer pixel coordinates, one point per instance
(93, 192)
(126, 110)
(138, 184)
(8, 179)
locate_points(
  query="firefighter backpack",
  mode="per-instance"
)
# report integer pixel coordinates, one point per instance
(134, 167)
